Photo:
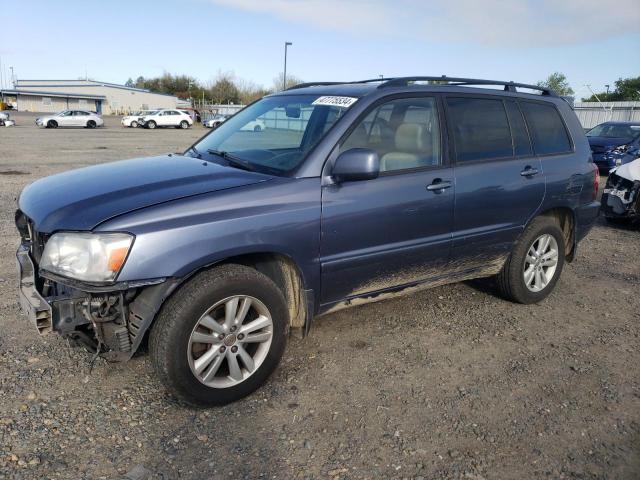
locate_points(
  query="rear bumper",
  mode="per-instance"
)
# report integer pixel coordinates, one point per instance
(586, 216)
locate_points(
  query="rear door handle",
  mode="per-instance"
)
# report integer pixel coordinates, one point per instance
(438, 185)
(529, 172)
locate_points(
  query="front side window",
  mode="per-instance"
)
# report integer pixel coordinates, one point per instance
(548, 132)
(276, 133)
(404, 132)
(480, 129)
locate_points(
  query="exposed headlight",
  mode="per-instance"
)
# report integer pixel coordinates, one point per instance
(92, 257)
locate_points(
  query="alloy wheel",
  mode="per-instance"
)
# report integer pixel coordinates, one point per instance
(230, 341)
(541, 262)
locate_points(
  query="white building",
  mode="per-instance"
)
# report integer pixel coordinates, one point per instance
(102, 97)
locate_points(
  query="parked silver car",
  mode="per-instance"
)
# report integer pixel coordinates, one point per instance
(71, 118)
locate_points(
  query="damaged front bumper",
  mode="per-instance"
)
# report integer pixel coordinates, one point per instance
(109, 319)
(621, 197)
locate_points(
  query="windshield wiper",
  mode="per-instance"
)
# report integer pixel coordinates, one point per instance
(195, 150)
(231, 160)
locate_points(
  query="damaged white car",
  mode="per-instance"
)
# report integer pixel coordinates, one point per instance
(621, 196)
(5, 121)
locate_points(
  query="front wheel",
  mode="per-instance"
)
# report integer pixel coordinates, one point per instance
(134, 124)
(220, 336)
(257, 128)
(534, 266)
(52, 124)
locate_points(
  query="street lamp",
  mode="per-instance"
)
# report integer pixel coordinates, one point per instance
(284, 76)
(607, 89)
(13, 81)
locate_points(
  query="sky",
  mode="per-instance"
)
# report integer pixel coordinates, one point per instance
(519, 40)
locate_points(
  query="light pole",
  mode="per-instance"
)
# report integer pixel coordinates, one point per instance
(284, 75)
(607, 89)
(12, 78)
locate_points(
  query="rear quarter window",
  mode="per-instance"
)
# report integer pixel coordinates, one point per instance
(548, 133)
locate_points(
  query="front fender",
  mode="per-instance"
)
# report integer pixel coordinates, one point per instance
(176, 238)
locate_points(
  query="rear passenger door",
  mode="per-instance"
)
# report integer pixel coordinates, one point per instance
(499, 181)
(395, 229)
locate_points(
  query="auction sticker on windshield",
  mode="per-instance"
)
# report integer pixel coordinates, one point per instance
(345, 102)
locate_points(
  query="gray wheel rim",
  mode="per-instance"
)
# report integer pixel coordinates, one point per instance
(541, 263)
(230, 341)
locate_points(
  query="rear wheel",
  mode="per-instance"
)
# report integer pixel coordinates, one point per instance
(184, 124)
(52, 124)
(220, 336)
(151, 124)
(91, 124)
(257, 128)
(534, 266)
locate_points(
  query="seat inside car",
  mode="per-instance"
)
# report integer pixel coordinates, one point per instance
(415, 146)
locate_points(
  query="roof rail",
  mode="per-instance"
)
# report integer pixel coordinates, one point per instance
(508, 86)
(319, 84)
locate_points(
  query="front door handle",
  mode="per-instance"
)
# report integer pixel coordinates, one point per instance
(529, 172)
(438, 185)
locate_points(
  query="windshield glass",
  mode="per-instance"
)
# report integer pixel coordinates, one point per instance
(610, 130)
(275, 134)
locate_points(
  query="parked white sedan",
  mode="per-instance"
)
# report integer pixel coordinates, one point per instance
(133, 120)
(71, 118)
(167, 118)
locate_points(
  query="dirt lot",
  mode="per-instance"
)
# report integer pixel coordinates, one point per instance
(449, 383)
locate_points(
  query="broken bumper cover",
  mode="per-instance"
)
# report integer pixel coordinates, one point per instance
(112, 319)
(32, 303)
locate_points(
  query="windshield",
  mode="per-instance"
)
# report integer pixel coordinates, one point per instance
(611, 130)
(275, 134)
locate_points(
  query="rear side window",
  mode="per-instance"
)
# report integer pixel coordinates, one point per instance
(521, 144)
(480, 129)
(548, 132)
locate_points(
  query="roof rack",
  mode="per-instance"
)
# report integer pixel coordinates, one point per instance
(508, 86)
(453, 81)
(320, 84)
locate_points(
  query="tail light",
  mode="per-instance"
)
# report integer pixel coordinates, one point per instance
(596, 181)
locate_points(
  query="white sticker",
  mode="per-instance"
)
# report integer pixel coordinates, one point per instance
(345, 102)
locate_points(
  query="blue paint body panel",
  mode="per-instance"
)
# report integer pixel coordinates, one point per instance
(348, 240)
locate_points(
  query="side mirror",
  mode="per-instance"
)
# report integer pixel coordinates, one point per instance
(356, 164)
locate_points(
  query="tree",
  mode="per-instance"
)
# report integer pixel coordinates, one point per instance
(129, 82)
(249, 91)
(224, 89)
(292, 80)
(625, 90)
(558, 83)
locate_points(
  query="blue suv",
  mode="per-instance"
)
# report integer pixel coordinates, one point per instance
(352, 192)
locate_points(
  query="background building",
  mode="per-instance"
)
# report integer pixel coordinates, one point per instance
(102, 97)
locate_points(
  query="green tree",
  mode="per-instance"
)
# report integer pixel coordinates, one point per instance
(625, 90)
(129, 82)
(558, 83)
(224, 89)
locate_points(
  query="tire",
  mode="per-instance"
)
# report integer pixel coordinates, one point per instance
(91, 124)
(52, 124)
(184, 124)
(511, 280)
(133, 124)
(173, 351)
(151, 124)
(257, 128)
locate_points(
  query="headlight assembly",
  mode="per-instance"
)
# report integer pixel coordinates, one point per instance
(92, 257)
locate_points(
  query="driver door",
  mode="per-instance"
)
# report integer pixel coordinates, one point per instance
(395, 230)
(65, 119)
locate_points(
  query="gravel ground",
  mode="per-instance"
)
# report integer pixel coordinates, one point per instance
(452, 382)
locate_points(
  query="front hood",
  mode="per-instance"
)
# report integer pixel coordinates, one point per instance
(608, 141)
(630, 171)
(81, 199)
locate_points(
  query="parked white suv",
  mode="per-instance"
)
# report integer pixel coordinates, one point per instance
(133, 120)
(71, 118)
(167, 118)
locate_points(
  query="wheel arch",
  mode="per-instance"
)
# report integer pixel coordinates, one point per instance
(565, 218)
(280, 268)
